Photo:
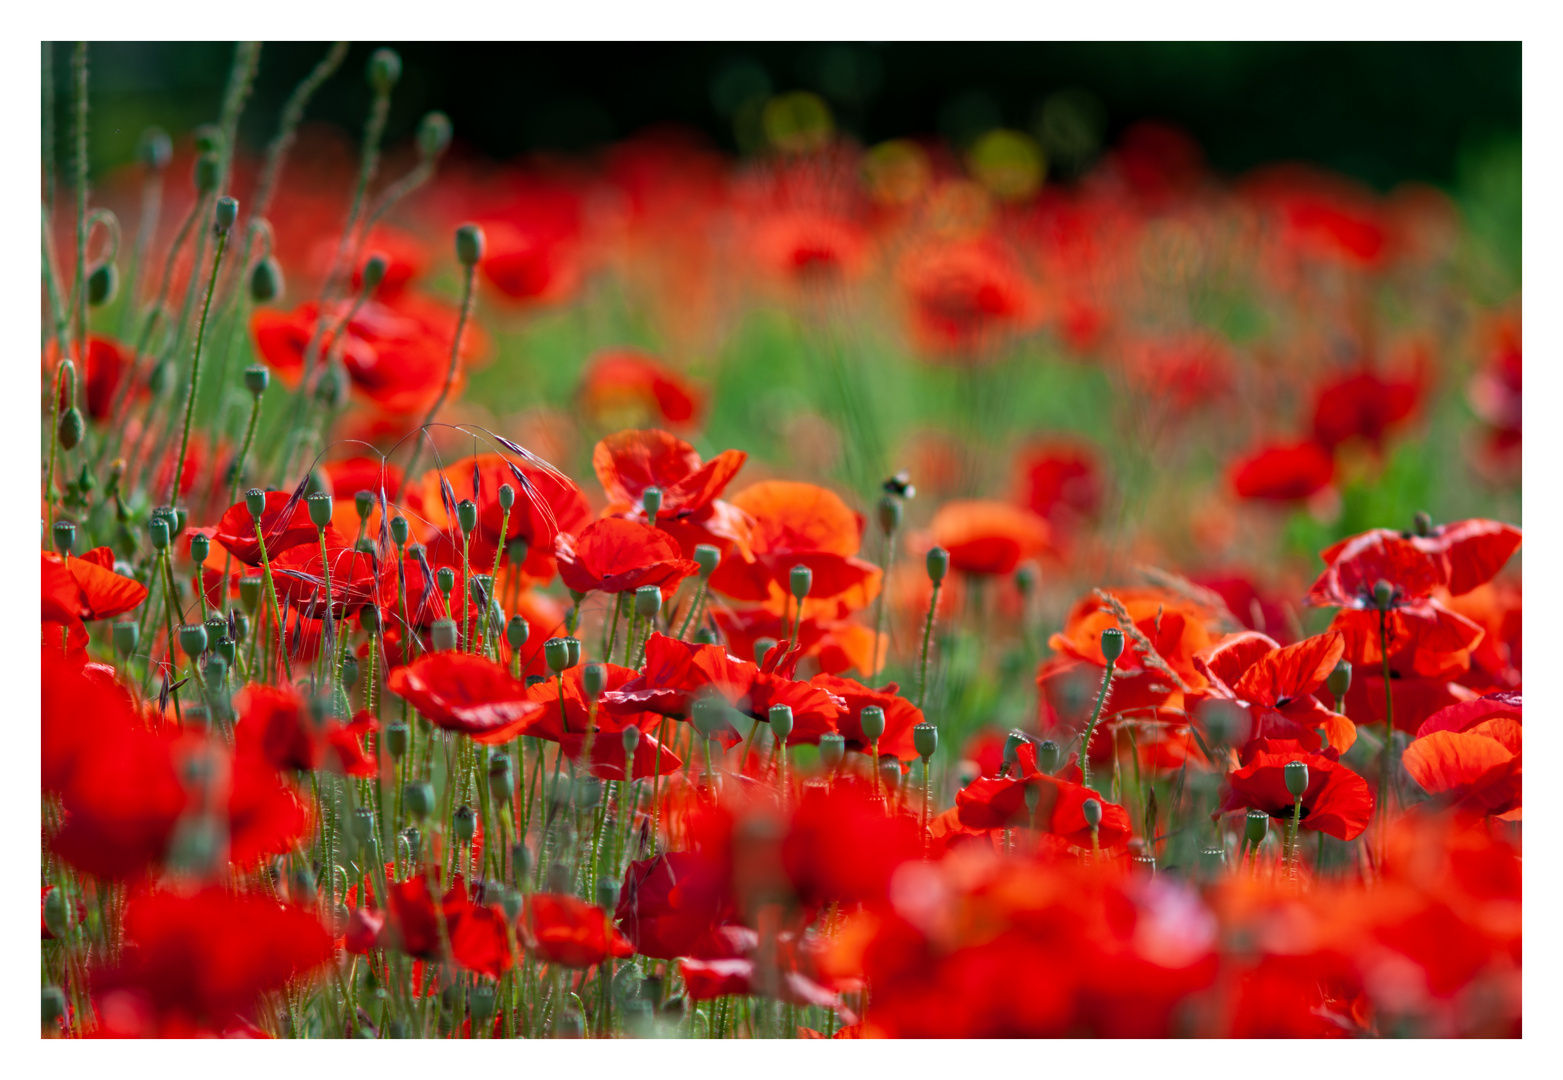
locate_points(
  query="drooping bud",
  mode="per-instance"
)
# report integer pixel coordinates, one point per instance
(444, 633)
(1112, 644)
(72, 428)
(872, 720)
(1383, 594)
(126, 636)
(648, 601)
(383, 70)
(925, 737)
(192, 639)
(397, 735)
(938, 562)
(761, 647)
(1091, 810)
(651, 502)
(781, 722)
(832, 749)
(225, 214)
(556, 652)
(266, 281)
(802, 580)
(102, 284)
(467, 516)
(374, 271)
(434, 132)
(1296, 774)
(64, 533)
(469, 245)
(594, 679)
(464, 823)
(707, 556)
(1048, 754)
(1256, 826)
(1339, 680)
(889, 514)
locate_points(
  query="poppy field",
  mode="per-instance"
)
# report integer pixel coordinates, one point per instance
(904, 590)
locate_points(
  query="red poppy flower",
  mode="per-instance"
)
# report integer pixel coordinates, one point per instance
(793, 524)
(533, 243)
(994, 802)
(1365, 405)
(284, 523)
(1337, 800)
(709, 979)
(671, 905)
(1276, 685)
(622, 384)
(614, 555)
(1414, 699)
(607, 750)
(836, 646)
(1463, 716)
(1477, 770)
(1283, 473)
(1182, 372)
(1061, 480)
(563, 930)
(843, 845)
(202, 961)
(1253, 609)
(900, 715)
(291, 739)
(806, 245)
(107, 362)
(476, 932)
(265, 815)
(629, 462)
(356, 578)
(986, 537)
(966, 297)
(466, 693)
(100, 593)
(1462, 554)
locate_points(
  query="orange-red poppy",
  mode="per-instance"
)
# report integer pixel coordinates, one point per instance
(629, 462)
(988, 537)
(616, 555)
(564, 930)
(629, 386)
(1276, 685)
(466, 693)
(1337, 800)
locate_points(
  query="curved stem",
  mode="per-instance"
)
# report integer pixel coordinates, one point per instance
(1090, 729)
(79, 69)
(271, 594)
(195, 369)
(450, 374)
(922, 678)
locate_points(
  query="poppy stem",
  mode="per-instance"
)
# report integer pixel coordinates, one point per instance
(879, 606)
(195, 368)
(656, 784)
(466, 587)
(1389, 727)
(612, 630)
(1090, 729)
(468, 274)
(54, 441)
(271, 594)
(493, 579)
(694, 608)
(168, 617)
(1291, 839)
(922, 678)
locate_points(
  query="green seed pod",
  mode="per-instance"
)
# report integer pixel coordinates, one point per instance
(64, 537)
(532, 680)
(707, 556)
(56, 912)
(629, 738)
(925, 737)
(889, 773)
(651, 502)
(250, 592)
(556, 652)
(255, 502)
(569, 1025)
(1383, 595)
(363, 502)
(480, 1003)
(1048, 754)
(374, 272)
(412, 836)
(72, 428)
(369, 619)
(266, 281)
(832, 749)
(225, 213)
(1091, 810)
(517, 550)
(521, 860)
(321, 506)
(1012, 748)
(802, 580)
(157, 532)
(192, 640)
(1256, 827)
(467, 516)
(208, 139)
(1296, 775)
(705, 636)
(383, 70)
(1033, 796)
(445, 579)
(507, 496)
(938, 562)
(469, 245)
(200, 548)
(1339, 680)
(588, 792)
(216, 627)
(397, 735)
(648, 601)
(226, 648)
(710, 716)
(154, 149)
(349, 671)
(127, 635)
(761, 647)
(444, 632)
(399, 531)
(889, 514)
(781, 722)
(517, 631)
(500, 782)
(434, 133)
(239, 627)
(607, 895)
(418, 798)
(102, 284)
(572, 647)
(1112, 644)
(53, 1005)
(215, 670)
(208, 171)
(361, 824)
(872, 720)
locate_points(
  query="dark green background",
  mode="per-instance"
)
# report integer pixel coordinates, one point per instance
(1383, 112)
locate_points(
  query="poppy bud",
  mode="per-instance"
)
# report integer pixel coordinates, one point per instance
(238, 626)
(464, 823)
(255, 502)
(889, 773)
(399, 530)
(707, 556)
(607, 895)
(925, 737)
(781, 722)
(369, 619)
(1383, 594)
(53, 1005)
(480, 1002)
(648, 601)
(801, 580)
(102, 284)
(710, 716)
(1047, 756)
(434, 132)
(56, 913)
(250, 592)
(192, 639)
(594, 678)
(572, 651)
(517, 631)
(126, 637)
(1033, 795)
(154, 149)
(761, 647)
(520, 860)
(64, 537)
(71, 429)
(1026, 578)
(208, 170)
(1256, 827)
(705, 636)
(467, 516)
(445, 579)
(1296, 774)
(588, 792)
(411, 835)
(374, 271)
(383, 70)
(266, 281)
(349, 671)
(226, 213)
(889, 514)
(499, 779)
(557, 654)
(1112, 644)
(507, 496)
(1422, 523)
(629, 738)
(517, 550)
(832, 748)
(478, 589)
(1339, 680)
(444, 632)
(396, 736)
(938, 564)
(872, 720)
(651, 502)
(1012, 748)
